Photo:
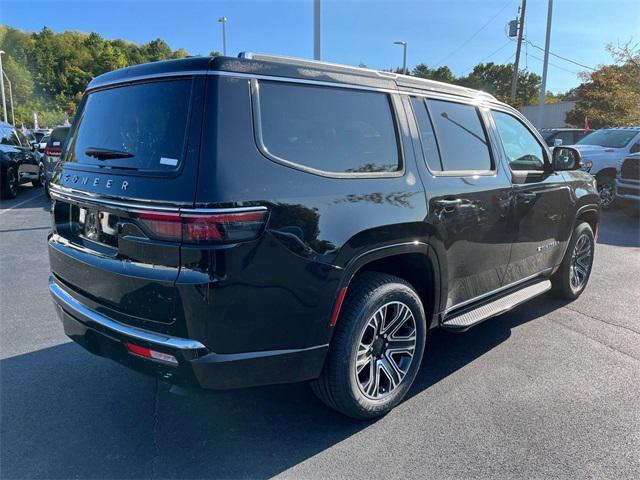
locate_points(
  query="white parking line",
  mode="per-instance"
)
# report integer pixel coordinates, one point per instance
(21, 203)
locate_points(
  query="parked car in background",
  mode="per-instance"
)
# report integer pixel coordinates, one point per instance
(602, 153)
(562, 136)
(19, 162)
(52, 152)
(628, 185)
(43, 143)
(39, 133)
(220, 226)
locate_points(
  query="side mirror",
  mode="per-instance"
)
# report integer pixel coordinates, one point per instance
(566, 158)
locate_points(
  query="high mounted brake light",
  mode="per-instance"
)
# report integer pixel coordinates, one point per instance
(204, 228)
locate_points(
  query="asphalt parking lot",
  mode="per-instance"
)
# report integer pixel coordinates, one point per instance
(548, 390)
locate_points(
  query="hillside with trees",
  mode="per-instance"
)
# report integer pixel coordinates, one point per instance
(49, 71)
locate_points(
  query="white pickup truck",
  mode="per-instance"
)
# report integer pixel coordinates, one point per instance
(602, 153)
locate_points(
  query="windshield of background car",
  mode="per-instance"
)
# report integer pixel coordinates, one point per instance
(608, 138)
(139, 127)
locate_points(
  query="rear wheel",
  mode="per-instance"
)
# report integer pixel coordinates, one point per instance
(9, 182)
(573, 275)
(376, 348)
(40, 181)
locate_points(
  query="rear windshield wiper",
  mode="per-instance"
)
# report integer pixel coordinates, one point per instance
(106, 153)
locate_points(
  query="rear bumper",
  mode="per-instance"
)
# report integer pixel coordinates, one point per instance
(197, 365)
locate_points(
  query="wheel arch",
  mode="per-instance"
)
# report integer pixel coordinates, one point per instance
(415, 262)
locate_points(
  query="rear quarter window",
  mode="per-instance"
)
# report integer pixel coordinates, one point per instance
(326, 129)
(138, 127)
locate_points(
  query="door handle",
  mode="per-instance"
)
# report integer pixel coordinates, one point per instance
(527, 197)
(449, 203)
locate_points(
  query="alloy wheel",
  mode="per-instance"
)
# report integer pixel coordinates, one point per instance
(606, 193)
(385, 350)
(580, 262)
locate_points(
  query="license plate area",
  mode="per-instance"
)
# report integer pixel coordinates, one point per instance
(96, 225)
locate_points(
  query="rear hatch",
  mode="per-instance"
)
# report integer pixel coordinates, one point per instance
(130, 166)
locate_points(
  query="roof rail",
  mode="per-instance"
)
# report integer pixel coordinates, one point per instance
(305, 61)
(400, 79)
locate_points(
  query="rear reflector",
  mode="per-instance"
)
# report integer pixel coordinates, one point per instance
(51, 151)
(152, 354)
(336, 308)
(204, 228)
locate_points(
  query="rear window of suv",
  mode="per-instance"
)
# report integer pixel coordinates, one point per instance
(327, 129)
(138, 127)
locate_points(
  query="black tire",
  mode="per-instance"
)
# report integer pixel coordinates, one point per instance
(563, 285)
(339, 386)
(9, 183)
(40, 181)
(606, 190)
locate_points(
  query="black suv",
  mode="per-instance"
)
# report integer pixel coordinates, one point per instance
(232, 222)
(562, 136)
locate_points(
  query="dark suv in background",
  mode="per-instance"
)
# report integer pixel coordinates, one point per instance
(562, 136)
(52, 152)
(233, 222)
(20, 162)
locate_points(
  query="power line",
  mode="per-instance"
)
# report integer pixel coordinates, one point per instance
(554, 65)
(456, 50)
(560, 56)
(489, 56)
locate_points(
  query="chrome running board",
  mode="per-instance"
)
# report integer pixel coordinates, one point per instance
(469, 318)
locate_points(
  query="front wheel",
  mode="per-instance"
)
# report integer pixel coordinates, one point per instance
(573, 275)
(376, 349)
(606, 191)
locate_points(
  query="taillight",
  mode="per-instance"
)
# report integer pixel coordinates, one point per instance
(204, 228)
(53, 152)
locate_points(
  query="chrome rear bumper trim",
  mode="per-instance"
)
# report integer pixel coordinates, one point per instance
(84, 314)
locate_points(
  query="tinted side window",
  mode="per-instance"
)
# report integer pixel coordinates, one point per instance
(329, 129)
(520, 146)
(566, 137)
(427, 137)
(21, 138)
(462, 140)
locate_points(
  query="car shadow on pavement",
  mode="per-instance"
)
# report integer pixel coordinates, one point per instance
(66, 413)
(619, 229)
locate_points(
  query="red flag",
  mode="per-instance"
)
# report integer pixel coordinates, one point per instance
(586, 125)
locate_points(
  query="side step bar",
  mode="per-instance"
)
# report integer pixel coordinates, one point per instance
(463, 321)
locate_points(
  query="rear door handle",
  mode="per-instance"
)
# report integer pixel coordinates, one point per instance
(527, 197)
(449, 203)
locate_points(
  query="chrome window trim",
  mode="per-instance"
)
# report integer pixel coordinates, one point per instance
(257, 129)
(82, 313)
(481, 98)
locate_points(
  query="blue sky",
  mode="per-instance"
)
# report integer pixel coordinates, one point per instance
(437, 31)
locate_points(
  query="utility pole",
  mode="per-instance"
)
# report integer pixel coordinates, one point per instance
(223, 21)
(404, 56)
(543, 87)
(316, 29)
(514, 80)
(4, 100)
(13, 112)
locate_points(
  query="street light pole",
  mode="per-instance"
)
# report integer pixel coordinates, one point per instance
(316, 29)
(404, 56)
(223, 21)
(545, 65)
(4, 101)
(13, 112)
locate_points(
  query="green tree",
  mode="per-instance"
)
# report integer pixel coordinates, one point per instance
(440, 74)
(610, 95)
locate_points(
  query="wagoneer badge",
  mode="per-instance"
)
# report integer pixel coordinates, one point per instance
(95, 181)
